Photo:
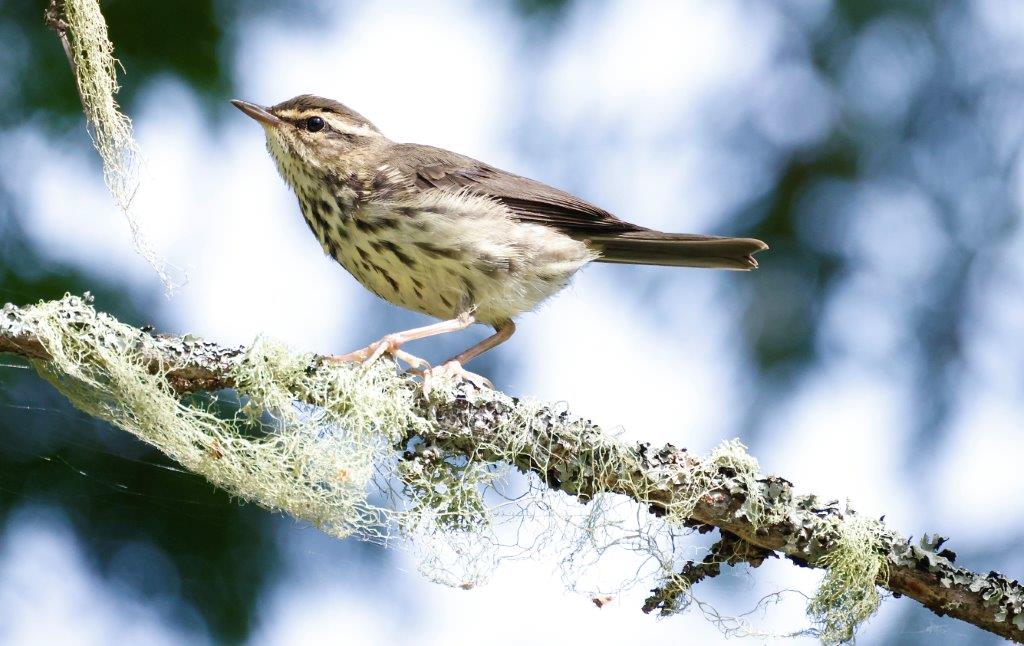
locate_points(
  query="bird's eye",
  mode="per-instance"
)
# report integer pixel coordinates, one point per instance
(315, 124)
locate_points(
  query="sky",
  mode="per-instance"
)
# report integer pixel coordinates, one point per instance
(640, 106)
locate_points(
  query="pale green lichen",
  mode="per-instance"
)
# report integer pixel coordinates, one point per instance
(848, 594)
(313, 463)
(95, 71)
(445, 516)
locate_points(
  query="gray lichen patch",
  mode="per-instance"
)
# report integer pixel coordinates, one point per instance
(998, 596)
(730, 472)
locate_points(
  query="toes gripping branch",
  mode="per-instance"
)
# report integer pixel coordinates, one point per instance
(450, 369)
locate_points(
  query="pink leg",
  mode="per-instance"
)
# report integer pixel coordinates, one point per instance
(453, 367)
(392, 343)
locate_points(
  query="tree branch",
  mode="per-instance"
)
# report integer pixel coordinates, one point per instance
(758, 516)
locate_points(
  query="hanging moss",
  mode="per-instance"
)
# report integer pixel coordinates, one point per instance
(848, 594)
(92, 58)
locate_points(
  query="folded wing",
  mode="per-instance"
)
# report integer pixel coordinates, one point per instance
(531, 201)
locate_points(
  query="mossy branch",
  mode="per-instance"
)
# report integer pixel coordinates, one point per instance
(140, 380)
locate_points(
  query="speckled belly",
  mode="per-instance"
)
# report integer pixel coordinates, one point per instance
(456, 255)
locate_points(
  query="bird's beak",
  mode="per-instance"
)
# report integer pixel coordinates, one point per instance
(257, 112)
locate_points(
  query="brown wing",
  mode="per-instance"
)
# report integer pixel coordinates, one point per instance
(537, 203)
(529, 200)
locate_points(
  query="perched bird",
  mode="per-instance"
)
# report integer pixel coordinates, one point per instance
(446, 235)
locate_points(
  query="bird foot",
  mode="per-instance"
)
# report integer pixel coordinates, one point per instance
(391, 344)
(452, 370)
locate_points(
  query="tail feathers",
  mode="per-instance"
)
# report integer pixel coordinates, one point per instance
(677, 250)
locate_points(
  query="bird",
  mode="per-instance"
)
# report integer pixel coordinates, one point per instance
(448, 236)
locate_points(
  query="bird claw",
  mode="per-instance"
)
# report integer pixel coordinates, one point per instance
(391, 345)
(388, 345)
(452, 370)
(417, 366)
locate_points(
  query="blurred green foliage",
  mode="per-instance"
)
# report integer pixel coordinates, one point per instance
(151, 38)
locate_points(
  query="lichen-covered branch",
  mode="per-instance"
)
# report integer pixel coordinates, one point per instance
(140, 381)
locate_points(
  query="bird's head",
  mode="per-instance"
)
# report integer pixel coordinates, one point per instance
(311, 136)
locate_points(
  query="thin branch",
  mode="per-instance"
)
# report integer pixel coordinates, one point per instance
(729, 550)
(54, 19)
(471, 423)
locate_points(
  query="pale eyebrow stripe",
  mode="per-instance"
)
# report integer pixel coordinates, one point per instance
(349, 129)
(332, 117)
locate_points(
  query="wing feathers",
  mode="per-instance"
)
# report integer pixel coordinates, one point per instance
(529, 200)
(537, 203)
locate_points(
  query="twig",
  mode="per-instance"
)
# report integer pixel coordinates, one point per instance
(730, 550)
(54, 19)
